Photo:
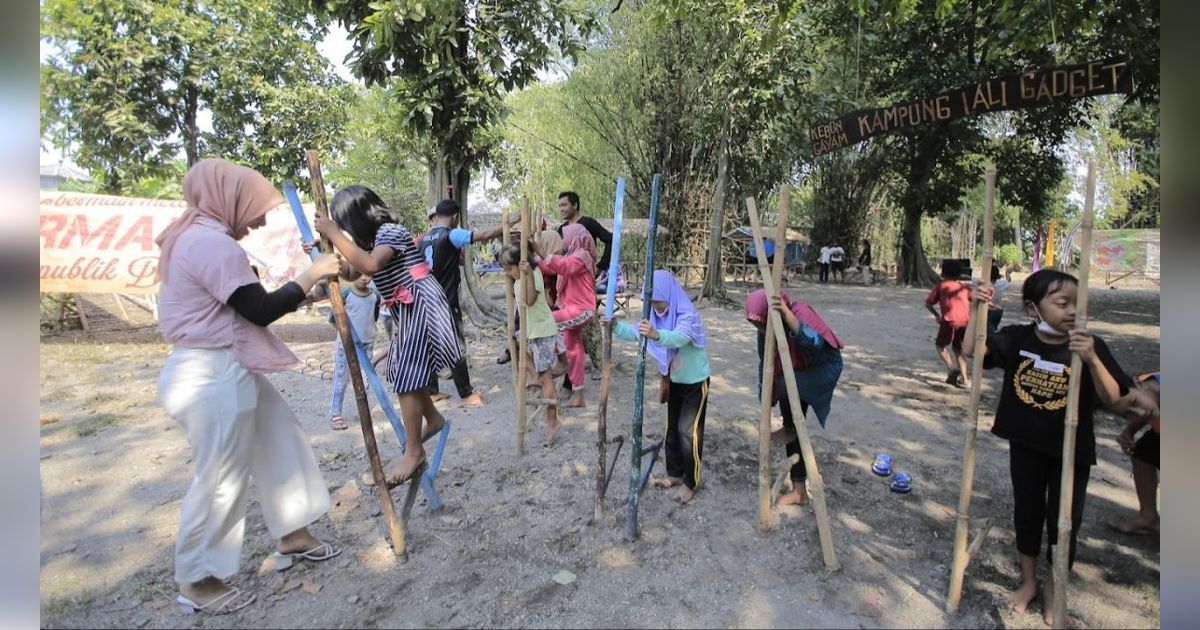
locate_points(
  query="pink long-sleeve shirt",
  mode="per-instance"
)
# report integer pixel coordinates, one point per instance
(576, 286)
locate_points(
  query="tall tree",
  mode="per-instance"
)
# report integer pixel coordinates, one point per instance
(454, 61)
(125, 85)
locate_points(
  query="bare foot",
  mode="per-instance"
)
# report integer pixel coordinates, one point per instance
(1137, 526)
(782, 436)
(665, 482)
(473, 400)
(1048, 604)
(551, 431)
(683, 494)
(576, 400)
(504, 358)
(963, 384)
(952, 377)
(438, 396)
(432, 429)
(798, 496)
(404, 469)
(1020, 598)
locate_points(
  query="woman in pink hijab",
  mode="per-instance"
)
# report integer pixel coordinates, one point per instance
(215, 313)
(576, 302)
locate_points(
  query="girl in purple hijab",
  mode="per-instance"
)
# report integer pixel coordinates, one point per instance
(675, 337)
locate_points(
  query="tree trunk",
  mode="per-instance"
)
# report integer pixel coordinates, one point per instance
(913, 268)
(1017, 236)
(190, 130)
(714, 274)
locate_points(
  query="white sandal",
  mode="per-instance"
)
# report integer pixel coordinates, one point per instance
(284, 561)
(219, 604)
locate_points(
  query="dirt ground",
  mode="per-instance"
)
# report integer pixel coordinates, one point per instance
(114, 469)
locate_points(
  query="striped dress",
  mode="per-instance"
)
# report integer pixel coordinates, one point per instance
(424, 342)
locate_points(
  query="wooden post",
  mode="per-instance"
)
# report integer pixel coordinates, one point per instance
(606, 369)
(510, 302)
(639, 378)
(815, 483)
(765, 491)
(962, 526)
(1063, 548)
(83, 320)
(342, 323)
(523, 346)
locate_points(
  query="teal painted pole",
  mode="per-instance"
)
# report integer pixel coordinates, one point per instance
(639, 379)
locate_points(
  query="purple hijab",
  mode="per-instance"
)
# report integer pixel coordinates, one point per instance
(681, 317)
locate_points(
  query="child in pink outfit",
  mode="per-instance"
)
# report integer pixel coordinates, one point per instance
(576, 302)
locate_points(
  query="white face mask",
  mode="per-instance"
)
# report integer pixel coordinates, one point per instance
(1044, 328)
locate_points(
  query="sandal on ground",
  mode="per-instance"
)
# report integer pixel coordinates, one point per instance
(902, 483)
(338, 423)
(286, 560)
(882, 465)
(219, 605)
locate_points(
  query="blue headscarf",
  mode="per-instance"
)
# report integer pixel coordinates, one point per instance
(681, 317)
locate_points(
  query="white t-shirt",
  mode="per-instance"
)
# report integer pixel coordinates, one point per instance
(836, 253)
(825, 255)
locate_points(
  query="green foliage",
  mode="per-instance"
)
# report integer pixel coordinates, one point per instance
(1006, 254)
(383, 155)
(126, 81)
(455, 61)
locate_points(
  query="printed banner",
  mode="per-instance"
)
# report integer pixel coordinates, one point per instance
(1019, 91)
(105, 244)
(1126, 251)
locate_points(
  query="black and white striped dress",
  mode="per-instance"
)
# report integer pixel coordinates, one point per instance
(424, 341)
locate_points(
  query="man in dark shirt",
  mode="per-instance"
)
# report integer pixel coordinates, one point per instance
(442, 246)
(568, 207)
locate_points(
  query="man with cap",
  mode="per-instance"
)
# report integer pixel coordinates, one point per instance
(442, 246)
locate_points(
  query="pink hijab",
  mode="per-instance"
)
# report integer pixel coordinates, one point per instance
(757, 307)
(234, 196)
(580, 244)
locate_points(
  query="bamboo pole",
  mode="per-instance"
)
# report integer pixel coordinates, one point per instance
(342, 323)
(639, 378)
(815, 482)
(1065, 500)
(962, 526)
(765, 490)
(523, 345)
(510, 303)
(606, 362)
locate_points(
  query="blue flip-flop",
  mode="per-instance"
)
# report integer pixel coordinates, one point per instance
(882, 465)
(902, 483)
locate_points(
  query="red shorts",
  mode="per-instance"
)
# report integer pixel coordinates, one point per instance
(950, 334)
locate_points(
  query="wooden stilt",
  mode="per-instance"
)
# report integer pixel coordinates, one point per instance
(765, 492)
(962, 526)
(342, 323)
(815, 482)
(1075, 380)
(606, 354)
(523, 346)
(639, 374)
(510, 303)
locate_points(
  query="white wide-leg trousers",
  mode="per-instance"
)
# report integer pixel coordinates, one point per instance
(239, 428)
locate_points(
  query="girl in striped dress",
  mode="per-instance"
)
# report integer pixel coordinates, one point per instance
(424, 342)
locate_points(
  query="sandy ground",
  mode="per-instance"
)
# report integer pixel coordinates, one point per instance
(114, 469)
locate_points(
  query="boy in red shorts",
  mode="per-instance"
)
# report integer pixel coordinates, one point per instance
(953, 297)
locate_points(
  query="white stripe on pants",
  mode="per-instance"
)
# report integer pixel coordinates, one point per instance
(239, 427)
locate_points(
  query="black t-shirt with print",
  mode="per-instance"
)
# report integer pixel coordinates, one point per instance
(1033, 399)
(445, 261)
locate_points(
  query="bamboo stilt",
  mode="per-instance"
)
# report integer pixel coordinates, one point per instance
(523, 345)
(342, 323)
(815, 482)
(765, 491)
(962, 525)
(1075, 380)
(639, 379)
(606, 361)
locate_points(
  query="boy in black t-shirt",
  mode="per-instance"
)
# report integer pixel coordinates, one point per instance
(1036, 360)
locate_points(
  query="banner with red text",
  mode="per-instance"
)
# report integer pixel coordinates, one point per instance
(105, 244)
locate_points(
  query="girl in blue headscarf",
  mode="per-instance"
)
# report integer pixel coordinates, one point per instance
(675, 337)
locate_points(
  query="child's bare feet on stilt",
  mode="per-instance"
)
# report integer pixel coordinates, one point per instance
(432, 428)
(1048, 603)
(798, 496)
(665, 482)
(576, 400)
(551, 432)
(405, 468)
(1020, 598)
(683, 494)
